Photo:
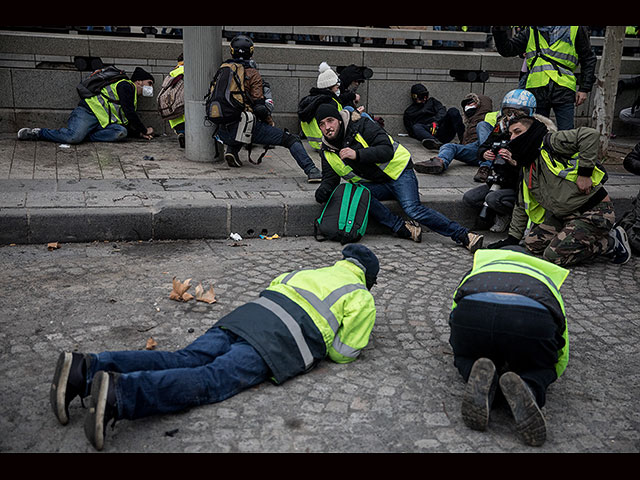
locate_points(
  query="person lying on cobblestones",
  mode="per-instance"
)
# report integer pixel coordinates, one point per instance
(563, 212)
(509, 337)
(108, 117)
(301, 318)
(360, 151)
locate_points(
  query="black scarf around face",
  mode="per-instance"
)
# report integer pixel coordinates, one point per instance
(526, 147)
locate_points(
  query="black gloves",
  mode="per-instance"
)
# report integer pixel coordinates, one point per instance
(510, 240)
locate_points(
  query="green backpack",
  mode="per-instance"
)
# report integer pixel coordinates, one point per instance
(345, 215)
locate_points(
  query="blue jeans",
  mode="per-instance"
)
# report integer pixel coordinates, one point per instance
(216, 366)
(564, 114)
(83, 123)
(467, 153)
(265, 134)
(405, 191)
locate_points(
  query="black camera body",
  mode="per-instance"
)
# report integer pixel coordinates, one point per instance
(499, 165)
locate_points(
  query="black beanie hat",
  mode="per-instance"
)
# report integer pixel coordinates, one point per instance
(419, 89)
(365, 259)
(141, 74)
(327, 110)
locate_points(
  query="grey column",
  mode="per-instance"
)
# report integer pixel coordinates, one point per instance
(202, 56)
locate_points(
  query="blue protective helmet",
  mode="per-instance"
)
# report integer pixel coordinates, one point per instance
(520, 99)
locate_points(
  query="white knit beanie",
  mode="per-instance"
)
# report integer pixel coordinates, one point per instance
(327, 78)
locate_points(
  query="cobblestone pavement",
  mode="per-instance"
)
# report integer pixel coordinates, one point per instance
(402, 395)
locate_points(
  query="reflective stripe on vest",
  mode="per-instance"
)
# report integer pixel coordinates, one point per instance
(292, 326)
(535, 211)
(312, 131)
(551, 275)
(323, 307)
(563, 54)
(393, 168)
(105, 106)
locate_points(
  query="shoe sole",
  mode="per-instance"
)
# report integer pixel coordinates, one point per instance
(530, 422)
(477, 245)
(58, 391)
(94, 421)
(428, 170)
(232, 161)
(475, 403)
(625, 241)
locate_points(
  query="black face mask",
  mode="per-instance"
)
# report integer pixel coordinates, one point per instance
(526, 147)
(470, 112)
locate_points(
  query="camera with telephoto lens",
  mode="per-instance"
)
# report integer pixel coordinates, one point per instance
(497, 177)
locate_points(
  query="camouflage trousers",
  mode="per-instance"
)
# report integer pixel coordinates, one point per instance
(575, 238)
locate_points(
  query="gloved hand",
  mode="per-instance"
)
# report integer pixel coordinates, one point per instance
(261, 111)
(510, 240)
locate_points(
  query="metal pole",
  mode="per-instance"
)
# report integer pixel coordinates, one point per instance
(202, 48)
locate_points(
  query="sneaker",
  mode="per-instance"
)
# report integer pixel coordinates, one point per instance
(314, 175)
(433, 166)
(69, 382)
(621, 251)
(474, 242)
(431, 144)
(479, 394)
(29, 134)
(233, 160)
(501, 224)
(482, 174)
(415, 229)
(102, 408)
(530, 422)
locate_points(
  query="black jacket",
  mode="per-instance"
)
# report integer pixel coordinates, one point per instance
(552, 93)
(309, 104)
(423, 114)
(379, 150)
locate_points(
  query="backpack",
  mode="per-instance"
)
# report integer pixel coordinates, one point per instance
(171, 97)
(91, 86)
(345, 215)
(226, 100)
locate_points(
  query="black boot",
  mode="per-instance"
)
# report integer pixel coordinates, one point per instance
(102, 407)
(69, 382)
(530, 422)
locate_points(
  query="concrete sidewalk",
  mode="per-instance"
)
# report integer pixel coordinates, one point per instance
(142, 190)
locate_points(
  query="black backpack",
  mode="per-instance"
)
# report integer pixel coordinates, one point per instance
(345, 215)
(94, 83)
(226, 99)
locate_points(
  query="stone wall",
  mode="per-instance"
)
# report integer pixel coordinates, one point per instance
(38, 77)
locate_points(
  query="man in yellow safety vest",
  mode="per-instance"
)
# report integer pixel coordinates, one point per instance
(109, 116)
(552, 55)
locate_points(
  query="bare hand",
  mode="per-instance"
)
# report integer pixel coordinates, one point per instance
(584, 184)
(347, 153)
(581, 97)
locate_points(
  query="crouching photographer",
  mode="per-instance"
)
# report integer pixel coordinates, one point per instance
(495, 199)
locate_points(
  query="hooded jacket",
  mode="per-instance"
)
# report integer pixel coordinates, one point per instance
(485, 105)
(560, 197)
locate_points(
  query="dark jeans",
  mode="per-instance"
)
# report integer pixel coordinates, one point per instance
(83, 124)
(500, 201)
(265, 134)
(216, 366)
(564, 113)
(516, 338)
(450, 126)
(405, 191)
